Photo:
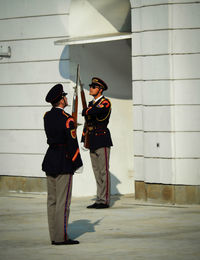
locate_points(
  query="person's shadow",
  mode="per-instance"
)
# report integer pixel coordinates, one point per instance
(79, 227)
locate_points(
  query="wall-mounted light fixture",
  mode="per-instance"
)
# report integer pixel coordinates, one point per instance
(5, 54)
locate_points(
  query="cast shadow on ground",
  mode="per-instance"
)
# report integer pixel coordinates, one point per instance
(79, 227)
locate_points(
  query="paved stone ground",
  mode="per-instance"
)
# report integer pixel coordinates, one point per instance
(130, 229)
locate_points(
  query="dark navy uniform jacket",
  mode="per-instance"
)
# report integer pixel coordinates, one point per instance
(97, 117)
(63, 155)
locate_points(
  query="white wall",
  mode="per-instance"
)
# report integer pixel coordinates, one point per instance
(166, 93)
(30, 28)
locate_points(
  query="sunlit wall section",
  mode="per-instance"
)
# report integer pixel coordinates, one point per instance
(166, 99)
(30, 29)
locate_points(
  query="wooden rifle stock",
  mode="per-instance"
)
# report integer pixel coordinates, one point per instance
(75, 99)
(83, 99)
(84, 104)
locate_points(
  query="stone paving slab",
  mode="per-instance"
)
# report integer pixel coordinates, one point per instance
(130, 229)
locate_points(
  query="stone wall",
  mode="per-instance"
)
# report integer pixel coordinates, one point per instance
(166, 94)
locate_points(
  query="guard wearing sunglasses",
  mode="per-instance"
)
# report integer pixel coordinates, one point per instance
(97, 116)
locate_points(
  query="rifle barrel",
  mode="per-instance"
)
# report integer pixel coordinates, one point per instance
(75, 97)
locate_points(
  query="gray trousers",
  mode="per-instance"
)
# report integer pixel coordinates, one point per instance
(59, 192)
(100, 164)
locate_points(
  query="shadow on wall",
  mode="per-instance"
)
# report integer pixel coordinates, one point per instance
(110, 61)
(114, 191)
(64, 66)
(114, 182)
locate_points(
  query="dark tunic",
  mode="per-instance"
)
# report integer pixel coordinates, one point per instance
(97, 117)
(63, 155)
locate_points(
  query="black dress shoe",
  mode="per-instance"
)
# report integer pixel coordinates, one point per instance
(93, 206)
(53, 242)
(102, 206)
(67, 242)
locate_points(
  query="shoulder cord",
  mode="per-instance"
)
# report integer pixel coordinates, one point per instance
(104, 117)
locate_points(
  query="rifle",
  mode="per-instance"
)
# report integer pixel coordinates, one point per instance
(84, 104)
(75, 98)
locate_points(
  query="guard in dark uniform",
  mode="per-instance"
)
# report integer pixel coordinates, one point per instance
(62, 159)
(97, 116)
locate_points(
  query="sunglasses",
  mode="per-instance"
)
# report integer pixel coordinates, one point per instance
(94, 86)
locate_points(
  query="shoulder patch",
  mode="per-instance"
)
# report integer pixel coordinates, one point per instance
(106, 103)
(70, 119)
(100, 105)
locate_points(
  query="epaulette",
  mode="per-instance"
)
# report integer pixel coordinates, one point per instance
(65, 114)
(101, 101)
(104, 99)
